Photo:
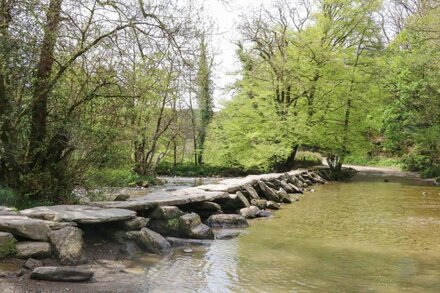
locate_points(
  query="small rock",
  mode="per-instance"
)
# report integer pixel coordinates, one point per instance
(250, 212)
(61, 274)
(32, 264)
(264, 214)
(27, 249)
(227, 221)
(273, 205)
(227, 235)
(188, 250)
(177, 242)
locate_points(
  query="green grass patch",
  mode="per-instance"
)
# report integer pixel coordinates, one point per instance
(8, 248)
(373, 161)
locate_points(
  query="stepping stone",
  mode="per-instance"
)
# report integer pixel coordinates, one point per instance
(61, 274)
(25, 227)
(79, 213)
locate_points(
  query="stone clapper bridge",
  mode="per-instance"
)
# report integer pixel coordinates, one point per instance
(153, 223)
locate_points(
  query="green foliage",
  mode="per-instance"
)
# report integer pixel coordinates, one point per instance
(120, 177)
(205, 170)
(7, 248)
(412, 120)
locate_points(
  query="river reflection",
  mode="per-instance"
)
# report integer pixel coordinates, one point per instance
(360, 236)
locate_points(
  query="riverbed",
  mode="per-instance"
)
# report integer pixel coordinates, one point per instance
(361, 235)
(364, 235)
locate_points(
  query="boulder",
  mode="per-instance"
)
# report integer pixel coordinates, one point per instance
(268, 192)
(191, 226)
(251, 191)
(61, 274)
(227, 221)
(233, 202)
(250, 212)
(260, 203)
(165, 227)
(31, 264)
(273, 205)
(285, 197)
(295, 188)
(25, 227)
(34, 249)
(166, 213)
(79, 213)
(286, 187)
(150, 241)
(68, 245)
(132, 224)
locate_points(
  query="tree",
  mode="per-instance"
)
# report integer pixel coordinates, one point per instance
(204, 98)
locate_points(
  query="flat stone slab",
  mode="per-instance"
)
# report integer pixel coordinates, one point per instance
(173, 198)
(61, 274)
(25, 227)
(34, 249)
(79, 213)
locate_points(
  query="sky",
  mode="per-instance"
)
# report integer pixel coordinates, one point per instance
(226, 16)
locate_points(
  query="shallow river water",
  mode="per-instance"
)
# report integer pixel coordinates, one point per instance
(364, 235)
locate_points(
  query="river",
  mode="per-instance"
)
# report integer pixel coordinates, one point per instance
(365, 235)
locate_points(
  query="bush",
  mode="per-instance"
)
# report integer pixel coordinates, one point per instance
(110, 177)
(7, 248)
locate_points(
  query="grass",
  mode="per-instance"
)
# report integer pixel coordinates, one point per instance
(374, 161)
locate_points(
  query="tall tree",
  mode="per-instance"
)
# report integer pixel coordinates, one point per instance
(204, 97)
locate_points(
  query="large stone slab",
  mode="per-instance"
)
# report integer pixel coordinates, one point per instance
(25, 227)
(79, 214)
(162, 198)
(61, 274)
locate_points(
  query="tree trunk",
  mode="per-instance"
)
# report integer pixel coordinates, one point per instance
(41, 88)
